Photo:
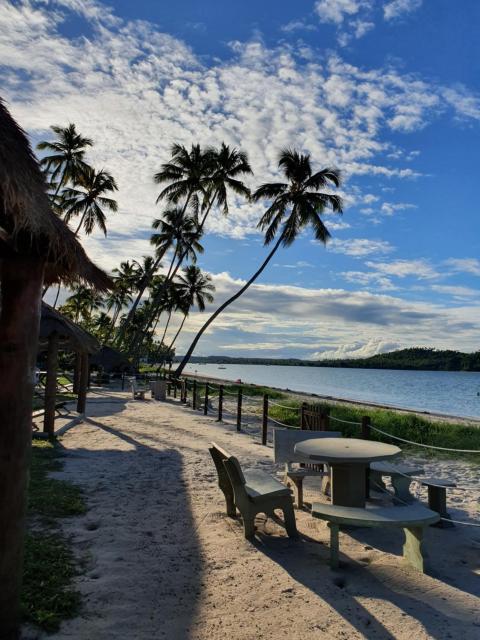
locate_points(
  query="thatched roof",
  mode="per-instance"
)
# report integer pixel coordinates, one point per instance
(27, 223)
(72, 337)
(110, 360)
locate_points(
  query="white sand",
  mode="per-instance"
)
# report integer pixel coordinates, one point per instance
(163, 560)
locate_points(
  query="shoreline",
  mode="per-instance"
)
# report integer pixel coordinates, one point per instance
(428, 415)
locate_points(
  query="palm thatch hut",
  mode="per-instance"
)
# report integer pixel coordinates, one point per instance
(36, 247)
(111, 361)
(57, 333)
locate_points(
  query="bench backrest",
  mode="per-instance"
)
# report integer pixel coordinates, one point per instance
(237, 480)
(218, 456)
(284, 441)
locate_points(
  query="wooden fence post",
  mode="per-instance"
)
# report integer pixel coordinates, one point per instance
(239, 409)
(175, 389)
(169, 387)
(185, 390)
(302, 415)
(82, 391)
(220, 403)
(265, 419)
(205, 403)
(325, 420)
(366, 427)
(194, 396)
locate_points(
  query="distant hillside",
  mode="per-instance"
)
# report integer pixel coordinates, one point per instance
(418, 358)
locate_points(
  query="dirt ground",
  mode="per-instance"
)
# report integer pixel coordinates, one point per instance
(164, 561)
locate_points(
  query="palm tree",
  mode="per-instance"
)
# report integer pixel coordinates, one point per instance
(81, 303)
(88, 200)
(66, 161)
(194, 288)
(118, 298)
(295, 204)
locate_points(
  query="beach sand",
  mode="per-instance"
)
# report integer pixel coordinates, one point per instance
(162, 560)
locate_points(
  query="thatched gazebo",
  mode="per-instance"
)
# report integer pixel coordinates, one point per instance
(59, 333)
(36, 248)
(111, 361)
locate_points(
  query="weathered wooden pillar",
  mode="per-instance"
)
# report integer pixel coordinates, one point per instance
(239, 409)
(21, 280)
(83, 383)
(220, 403)
(51, 384)
(76, 371)
(265, 419)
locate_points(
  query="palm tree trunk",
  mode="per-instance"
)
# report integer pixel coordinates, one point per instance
(178, 332)
(228, 302)
(58, 293)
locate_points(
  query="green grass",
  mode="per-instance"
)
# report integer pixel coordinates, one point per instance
(408, 426)
(47, 593)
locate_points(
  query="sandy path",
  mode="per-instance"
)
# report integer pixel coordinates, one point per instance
(163, 561)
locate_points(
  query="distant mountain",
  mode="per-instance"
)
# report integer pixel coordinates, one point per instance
(419, 358)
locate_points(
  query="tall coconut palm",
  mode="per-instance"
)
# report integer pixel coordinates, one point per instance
(82, 303)
(89, 200)
(116, 300)
(66, 160)
(195, 289)
(295, 205)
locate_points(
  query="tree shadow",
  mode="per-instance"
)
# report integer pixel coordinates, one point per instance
(144, 575)
(307, 563)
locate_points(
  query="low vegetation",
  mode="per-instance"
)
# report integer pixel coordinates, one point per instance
(48, 595)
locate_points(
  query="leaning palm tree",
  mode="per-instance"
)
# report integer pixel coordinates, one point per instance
(195, 289)
(66, 159)
(295, 205)
(89, 200)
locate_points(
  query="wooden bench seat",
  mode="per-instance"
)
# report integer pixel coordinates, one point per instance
(284, 442)
(412, 519)
(252, 492)
(437, 499)
(400, 476)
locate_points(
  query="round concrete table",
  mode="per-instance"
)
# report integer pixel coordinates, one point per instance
(349, 459)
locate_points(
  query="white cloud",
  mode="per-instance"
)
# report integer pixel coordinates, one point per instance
(402, 268)
(359, 247)
(298, 25)
(464, 265)
(369, 279)
(357, 350)
(330, 319)
(456, 291)
(397, 8)
(335, 11)
(389, 208)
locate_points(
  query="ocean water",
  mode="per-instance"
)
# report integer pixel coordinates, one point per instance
(448, 392)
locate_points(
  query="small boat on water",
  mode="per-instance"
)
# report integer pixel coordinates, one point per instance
(221, 367)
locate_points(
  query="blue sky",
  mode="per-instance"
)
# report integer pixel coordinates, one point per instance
(386, 90)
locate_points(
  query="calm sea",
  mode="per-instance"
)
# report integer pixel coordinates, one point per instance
(449, 392)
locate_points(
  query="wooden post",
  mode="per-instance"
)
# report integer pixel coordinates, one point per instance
(82, 391)
(366, 427)
(76, 371)
(169, 387)
(205, 402)
(51, 384)
(123, 380)
(265, 419)
(325, 420)
(366, 436)
(185, 390)
(220, 403)
(21, 280)
(194, 396)
(239, 409)
(302, 415)
(175, 389)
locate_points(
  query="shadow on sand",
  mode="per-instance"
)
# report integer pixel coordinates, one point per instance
(144, 577)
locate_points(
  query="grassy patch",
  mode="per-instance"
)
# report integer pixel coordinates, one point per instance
(404, 425)
(47, 593)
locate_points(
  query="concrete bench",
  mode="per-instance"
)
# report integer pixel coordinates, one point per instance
(437, 499)
(412, 519)
(400, 476)
(284, 442)
(252, 492)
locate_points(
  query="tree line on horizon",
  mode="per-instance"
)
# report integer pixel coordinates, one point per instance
(149, 292)
(413, 358)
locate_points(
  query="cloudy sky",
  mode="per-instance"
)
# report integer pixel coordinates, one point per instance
(386, 90)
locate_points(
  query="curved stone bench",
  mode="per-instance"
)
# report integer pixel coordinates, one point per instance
(412, 519)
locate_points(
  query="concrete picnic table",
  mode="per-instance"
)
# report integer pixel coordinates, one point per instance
(349, 459)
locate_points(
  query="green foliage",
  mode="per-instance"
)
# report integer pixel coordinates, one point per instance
(47, 593)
